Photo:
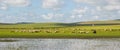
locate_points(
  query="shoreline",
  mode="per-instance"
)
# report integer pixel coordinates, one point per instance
(60, 38)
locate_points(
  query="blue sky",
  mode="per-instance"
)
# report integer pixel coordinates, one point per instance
(12, 11)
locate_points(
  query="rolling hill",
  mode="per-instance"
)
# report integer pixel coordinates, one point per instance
(38, 25)
(106, 22)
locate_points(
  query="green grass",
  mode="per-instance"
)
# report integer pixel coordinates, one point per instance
(64, 31)
(60, 35)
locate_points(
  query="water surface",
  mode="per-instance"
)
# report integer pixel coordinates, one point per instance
(59, 44)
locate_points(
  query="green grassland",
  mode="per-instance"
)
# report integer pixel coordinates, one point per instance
(61, 30)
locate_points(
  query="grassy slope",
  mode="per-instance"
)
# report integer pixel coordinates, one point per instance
(6, 33)
(101, 22)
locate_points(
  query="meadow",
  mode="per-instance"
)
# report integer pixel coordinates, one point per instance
(59, 30)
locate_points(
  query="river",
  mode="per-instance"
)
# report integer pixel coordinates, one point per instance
(59, 44)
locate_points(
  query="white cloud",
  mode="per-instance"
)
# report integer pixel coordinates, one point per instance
(1, 0)
(98, 4)
(1, 15)
(91, 2)
(112, 5)
(119, 12)
(3, 7)
(4, 4)
(17, 2)
(80, 16)
(51, 15)
(72, 16)
(84, 1)
(48, 16)
(103, 4)
(59, 15)
(113, 2)
(96, 17)
(52, 4)
(76, 16)
(98, 8)
(80, 10)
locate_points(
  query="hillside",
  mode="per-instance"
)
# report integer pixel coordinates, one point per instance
(111, 22)
(39, 25)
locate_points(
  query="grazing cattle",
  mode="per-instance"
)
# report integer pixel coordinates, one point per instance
(17, 31)
(94, 31)
(30, 31)
(109, 30)
(83, 31)
(73, 32)
(56, 31)
(119, 29)
(14, 31)
(47, 31)
(36, 31)
(87, 32)
(73, 29)
(105, 29)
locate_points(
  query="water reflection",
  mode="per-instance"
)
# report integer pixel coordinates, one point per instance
(61, 44)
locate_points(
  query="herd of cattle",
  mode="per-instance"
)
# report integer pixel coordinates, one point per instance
(35, 31)
(73, 30)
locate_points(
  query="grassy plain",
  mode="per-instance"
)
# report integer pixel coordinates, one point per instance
(64, 31)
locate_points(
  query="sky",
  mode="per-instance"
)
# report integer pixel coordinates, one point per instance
(12, 11)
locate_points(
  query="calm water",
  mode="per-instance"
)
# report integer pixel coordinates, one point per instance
(60, 44)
